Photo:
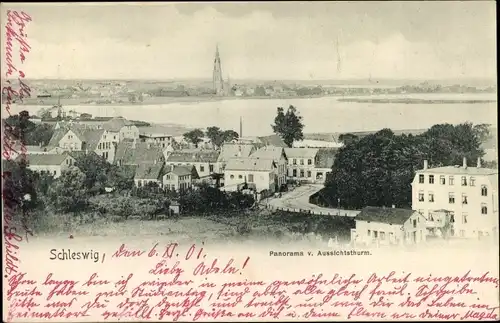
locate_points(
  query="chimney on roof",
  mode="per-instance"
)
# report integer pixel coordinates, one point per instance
(426, 164)
(464, 164)
(478, 162)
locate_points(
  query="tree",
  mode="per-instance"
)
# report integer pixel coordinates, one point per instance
(218, 137)
(96, 170)
(19, 186)
(40, 135)
(215, 136)
(68, 193)
(378, 169)
(194, 136)
(132, 98)
(260, 91)
(230, 135)
(347, 138)
(288, 125)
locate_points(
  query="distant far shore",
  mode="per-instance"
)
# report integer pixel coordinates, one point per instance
(414, 101)
(158, 100)
(197, 99)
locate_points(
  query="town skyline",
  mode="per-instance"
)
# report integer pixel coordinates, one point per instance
(435, 41)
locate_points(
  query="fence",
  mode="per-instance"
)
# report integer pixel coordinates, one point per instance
(316, 212)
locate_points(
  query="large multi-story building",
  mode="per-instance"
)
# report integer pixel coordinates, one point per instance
(459, 201)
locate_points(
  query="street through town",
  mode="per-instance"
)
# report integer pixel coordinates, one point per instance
(298, 199)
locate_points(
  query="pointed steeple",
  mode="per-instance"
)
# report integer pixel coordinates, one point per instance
(218, 82)
(217, 56)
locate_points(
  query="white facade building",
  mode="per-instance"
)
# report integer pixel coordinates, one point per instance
(460, 201)
(389, 226)
(258, 173)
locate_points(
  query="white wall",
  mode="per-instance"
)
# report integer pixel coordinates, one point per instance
(476, 221)
(263, 180)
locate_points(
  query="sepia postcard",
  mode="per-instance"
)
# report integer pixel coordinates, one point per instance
(249, 161)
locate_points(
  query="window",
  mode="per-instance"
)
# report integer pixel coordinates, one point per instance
(451, 198)
(231, 177)
(302, 162)
(431, 179)
(309, 173)
(430, 217)
(211, 168)
(421, 212)
(452, 217)
(464, 218)
(56, 173)
(240, 176)
(294, 173)
(369, 232)
(421, 178)
(375, 234)
(202, 168)
(464, 181)
(431, 197)
(382, 235)
(472, 181)
(464, 199)
(301, 173)
(442, 180)
(309, 162)
(250, 178)
(484, 208)
(484, 190)
(451, 180)
(421, 196)
(295, 161)
(414, 223)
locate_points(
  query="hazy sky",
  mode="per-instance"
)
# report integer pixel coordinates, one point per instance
(261, 40)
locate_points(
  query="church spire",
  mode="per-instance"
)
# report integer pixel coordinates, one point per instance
(218, 82)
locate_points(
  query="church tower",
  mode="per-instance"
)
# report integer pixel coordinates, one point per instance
(217, 75)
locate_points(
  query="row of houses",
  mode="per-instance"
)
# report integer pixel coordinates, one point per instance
(453, 201)
(262, 165)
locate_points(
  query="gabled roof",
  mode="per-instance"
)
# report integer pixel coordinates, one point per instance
(326, 157)
(179, 170)
(92, 138)
(115, 124)
(385, 215)
(46, 159)
(193, 156)
(272, 140)
(269, 152)
(135, 153)
(229, 151)
(34, 149)
(250, 164)
(301, 152)
(149, 171)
